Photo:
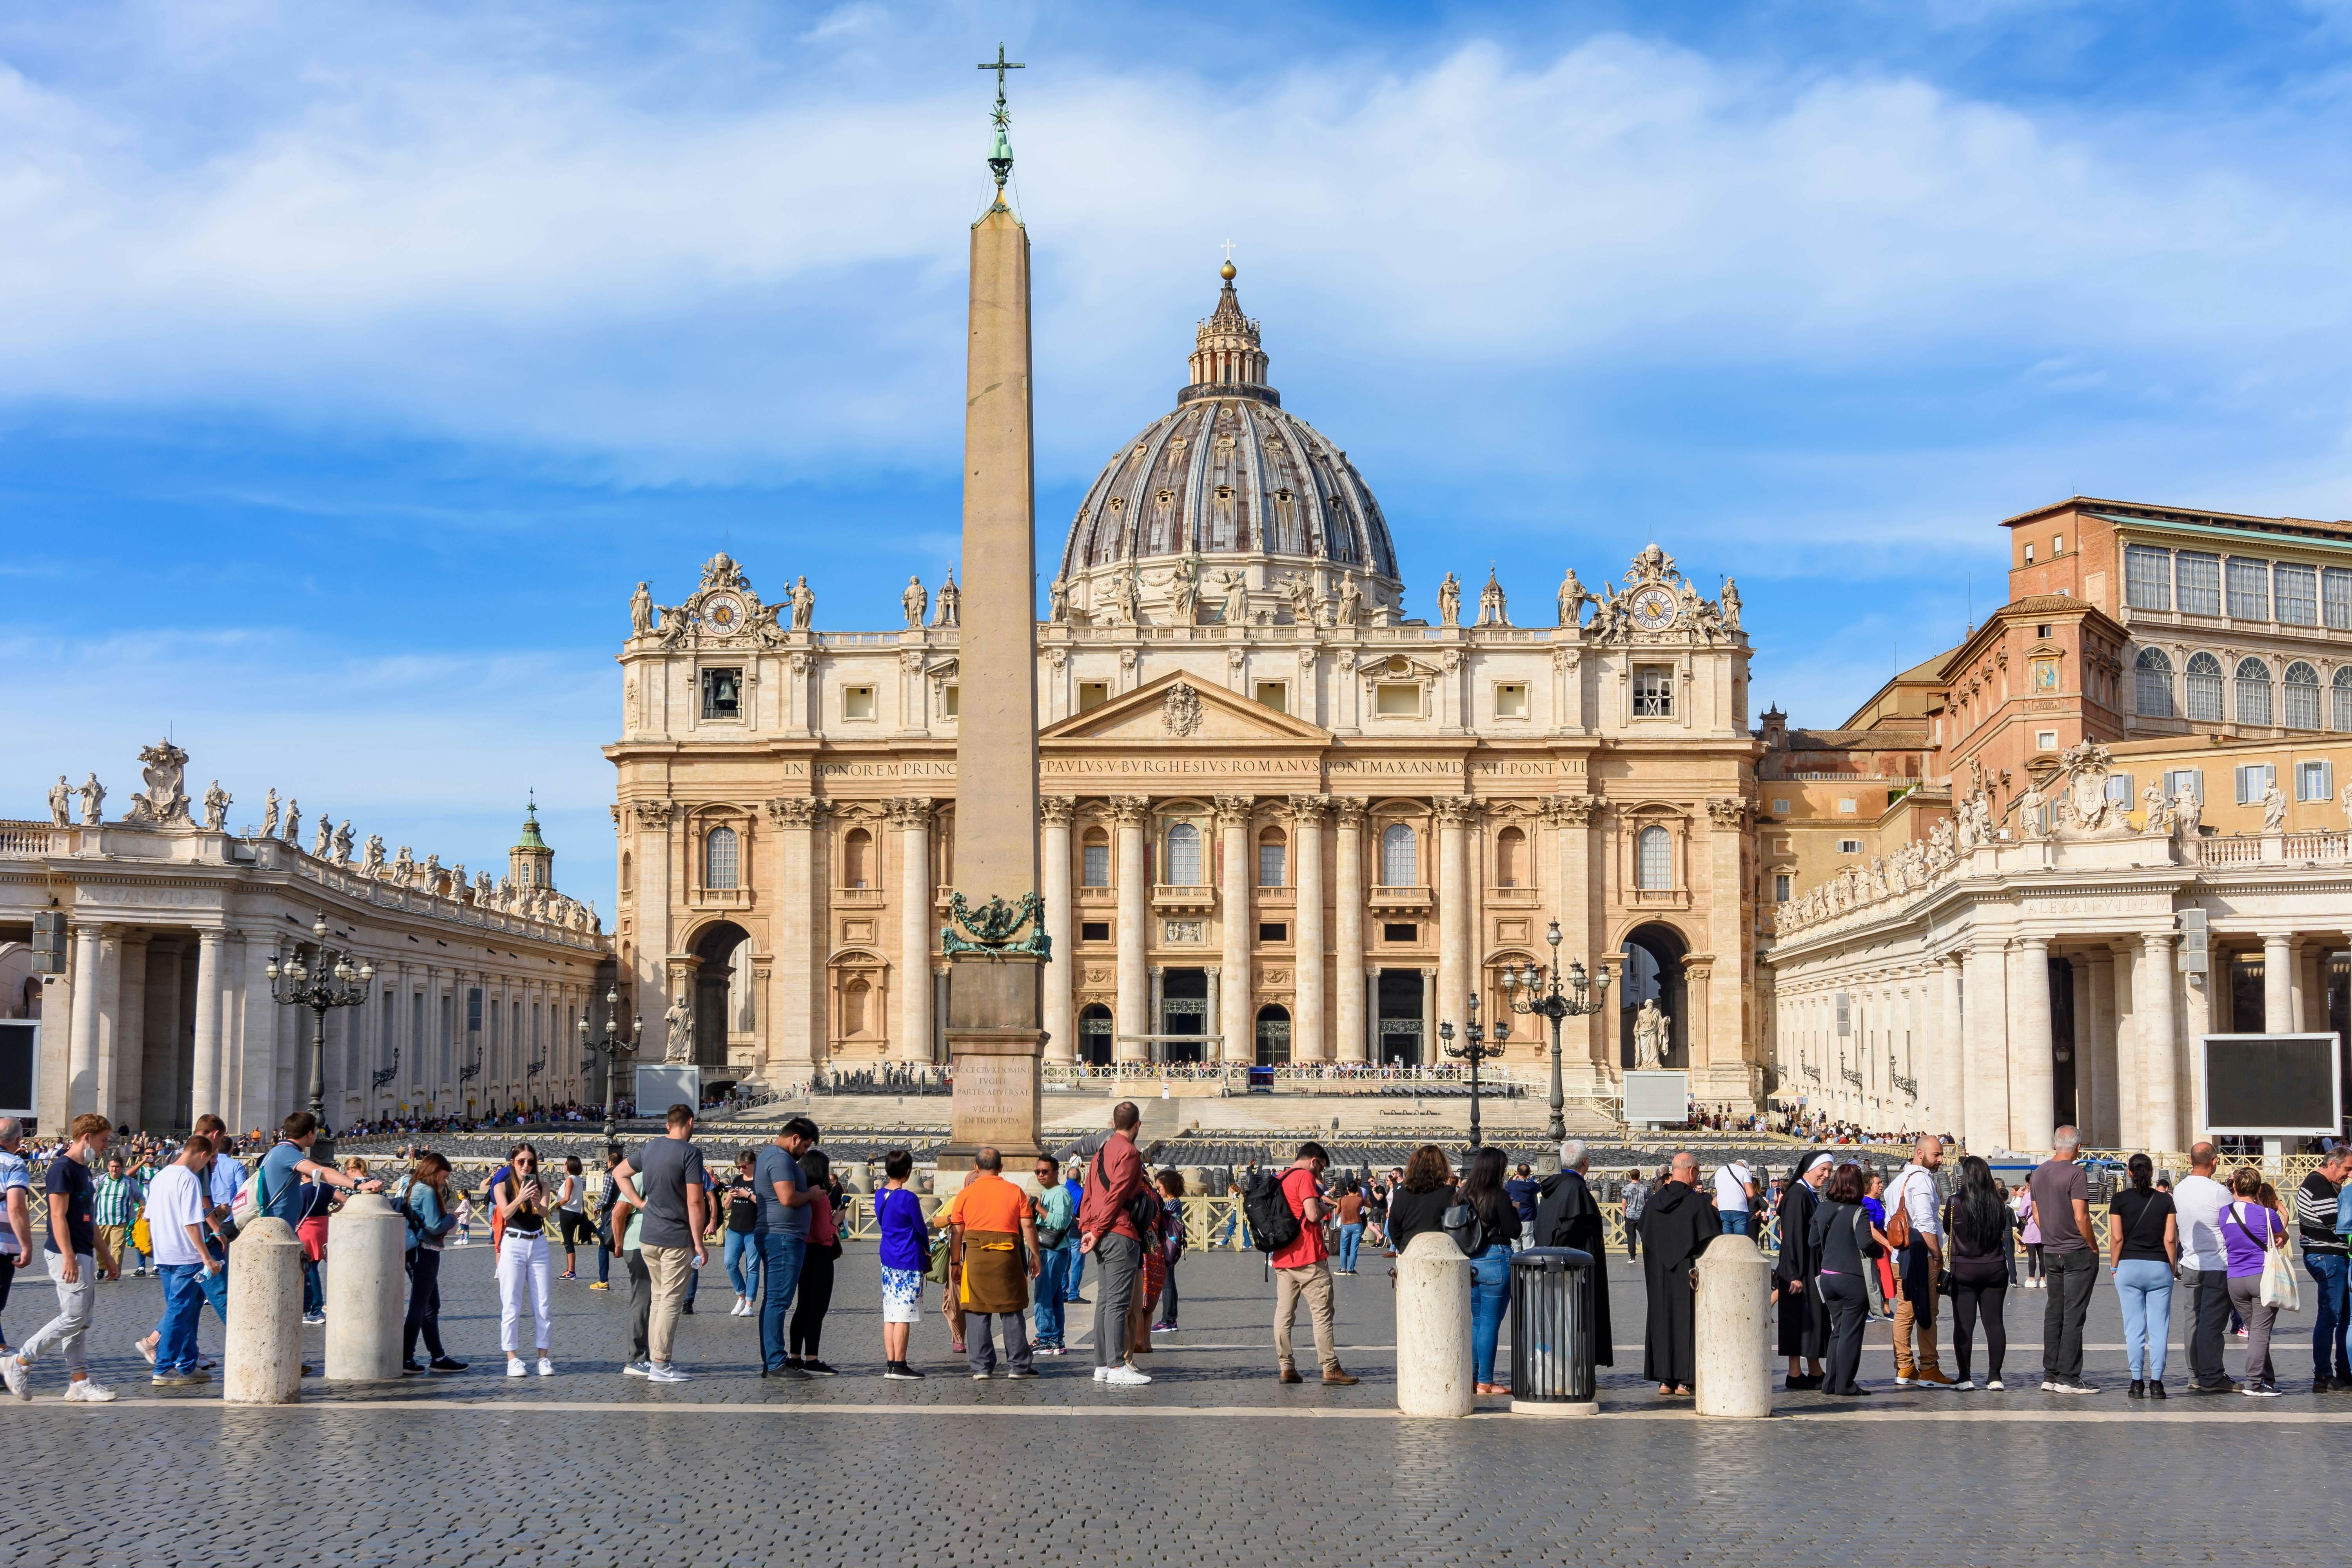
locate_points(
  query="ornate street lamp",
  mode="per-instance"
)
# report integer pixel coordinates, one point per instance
(611, 1046)
(1536, 990)
(326, 982)
(1475, 1049)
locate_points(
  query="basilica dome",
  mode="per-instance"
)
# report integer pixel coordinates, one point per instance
(1229, 481)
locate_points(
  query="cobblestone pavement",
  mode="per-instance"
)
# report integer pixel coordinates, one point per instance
(729, 1469)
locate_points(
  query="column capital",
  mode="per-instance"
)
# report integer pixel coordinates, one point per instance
(795, 811)
(1056, 810)
(1571, 810)
(914, 812)
(1457, 810)
(1350, 809)
(1131, 809)
(1234, 810)
(2157, 940)
(1309, 810)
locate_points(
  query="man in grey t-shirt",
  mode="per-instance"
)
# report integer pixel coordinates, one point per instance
(2061, 1204)
(783, 1239)
(676, 1211)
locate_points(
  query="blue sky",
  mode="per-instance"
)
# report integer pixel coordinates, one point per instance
(360, 358)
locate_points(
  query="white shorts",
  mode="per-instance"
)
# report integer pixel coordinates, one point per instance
(902, 1295)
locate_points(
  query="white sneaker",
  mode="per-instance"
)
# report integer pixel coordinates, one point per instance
(515, 1367)
(12, 1372)
(1901, 1381)
(546, 1367)
(87, 1392)
(146, 1351)
(2051, 1385)
(1125, 1377)
(1992, 1385)
(1966, 1386)
(1102, 1374)
(636, 1369)
(313, 1319)
(663, 1371)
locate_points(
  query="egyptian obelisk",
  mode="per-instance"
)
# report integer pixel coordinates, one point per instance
(993, 1022)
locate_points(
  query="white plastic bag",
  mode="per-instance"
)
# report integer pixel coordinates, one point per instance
(2279, 1287)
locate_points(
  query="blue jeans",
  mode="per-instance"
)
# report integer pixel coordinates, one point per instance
(743, 1262)
(2145, 1288)
(2331, 1332)
(1350, 1238)
(184, 1289)
(1053, 1284)
(314, 1294)
(1735, 1221)
(1078, 1274)
(1490, 1297)
(780, 1257)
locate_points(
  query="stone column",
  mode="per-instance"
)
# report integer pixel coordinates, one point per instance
(1134, 903)
(1951, 1048)
(1699, 973)
(801, 1013)
(205, 1098)
(1157, 1023)
(1584, 1058)
(1433, 1050)
(659, 891)
(1233, 907)
(122, 1058)
(2160, 1045)
(90, 943)
(912, 816)
(1986, 1061)
(1453, 913)
(1307, 1041)
(2278, 982)
(156, 1103)
(1352, 1036)
(1054, 811)
(1215, 975)
(2033, 1085)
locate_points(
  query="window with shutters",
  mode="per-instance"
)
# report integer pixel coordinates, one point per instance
(2253, 691)
(2153, 678)
(1653, 692)
(2250, 589)
(2315, 781)
(719, 859)
(2147, 577)
(2299, 694)
(2295, 590)
(2255, 780)
(2203, 688)
(1654, 860)
(2193, 779)
(2198, 577)
(1397, 858)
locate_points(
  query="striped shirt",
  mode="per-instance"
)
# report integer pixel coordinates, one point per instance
(118, 1199)
(2315, 1215)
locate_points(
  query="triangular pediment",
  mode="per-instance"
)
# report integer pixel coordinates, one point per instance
(1184, 710)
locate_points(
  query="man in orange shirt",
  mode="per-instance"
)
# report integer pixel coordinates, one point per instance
(998, 1229)
(1303, 1269)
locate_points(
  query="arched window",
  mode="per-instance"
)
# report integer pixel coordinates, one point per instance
(1397, 868)
(1654, 859)
(2204, 688)
(1184, 857)
(1094, 860)
(2155, 694)
(1273, 1036)
(719, 859)
(2342, 718)
(855, 997)
(2301, 706)
(857, 859)
(2253, 691)
(1273, 859)
(1510, 859)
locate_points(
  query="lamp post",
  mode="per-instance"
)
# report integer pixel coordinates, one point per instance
(1475, 1049)
(611, 1046)
(326, 982)
(1536, 990)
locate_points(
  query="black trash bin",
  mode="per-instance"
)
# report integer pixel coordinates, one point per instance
(1552, 1310)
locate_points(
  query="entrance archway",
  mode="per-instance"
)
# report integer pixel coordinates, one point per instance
(1654, 970)
(1399, 1025)
(723, 993)
(1184, 1010)
(1094, 1035)
(1273, 1035)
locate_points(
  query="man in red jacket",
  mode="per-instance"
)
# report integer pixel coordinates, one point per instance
(1113, 1176)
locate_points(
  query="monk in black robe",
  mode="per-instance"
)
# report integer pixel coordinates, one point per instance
(1566, 1216)
(1796, 1274)
(1675, 1228)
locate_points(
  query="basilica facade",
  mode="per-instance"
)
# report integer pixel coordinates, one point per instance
(1283, 819)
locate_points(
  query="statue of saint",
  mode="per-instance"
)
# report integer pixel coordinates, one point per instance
(1057, 598)
(1351, 603)
(679, 1031)
(916, 601)
(1449, 602)
(1731, 605)
(93, 801)
(804, 605)
(217, 804)
(322, 843)
(293, 821)
(2274, 809)
(1650, 1038)
(1572, 599)
(641, 610)
(269, 814)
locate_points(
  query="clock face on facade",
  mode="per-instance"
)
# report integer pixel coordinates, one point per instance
(725, 614)
(1654, 609)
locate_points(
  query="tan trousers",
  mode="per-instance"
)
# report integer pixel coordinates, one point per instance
(1314, 1282)
(1909, 1321)
(671, 1268)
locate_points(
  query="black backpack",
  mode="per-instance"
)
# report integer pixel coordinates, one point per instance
(1273, 1225)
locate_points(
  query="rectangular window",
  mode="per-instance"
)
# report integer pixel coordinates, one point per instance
(1095, 866)
(2045, 740)
(950, 701)
(1093, 930)
(2296, 590)
(2336, 598)
(1273, 930)
(2315, 781)
(858, 702)
(2253, 779)
(1093, 694)
(2119, 789)
(1846, 808)
(1396, 700)
(1273, 694)
(722, 694)
(1511, 700)
(2029, 555)
(2057, 544)
(1392, 931)
(2190, 779)
(1273, 865)
(1849, 846)
(2250, 589)
(2198, 579)
(1653, 692)
(1779, 806)
(1781, 886)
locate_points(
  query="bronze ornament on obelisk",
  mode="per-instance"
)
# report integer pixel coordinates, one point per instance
(995, 937)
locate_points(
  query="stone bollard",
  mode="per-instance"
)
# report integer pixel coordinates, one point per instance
(367, 1245)
(263, 1362)
(1433, 1328)
(1734, 1298)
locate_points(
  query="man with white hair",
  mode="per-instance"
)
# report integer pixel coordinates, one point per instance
(2061, 1206)
(1566, 1216)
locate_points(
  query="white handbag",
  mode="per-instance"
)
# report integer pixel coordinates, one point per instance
(2279, 1288)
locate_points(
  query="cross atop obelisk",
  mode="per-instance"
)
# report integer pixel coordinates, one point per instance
(995, 937)
(1000, 155)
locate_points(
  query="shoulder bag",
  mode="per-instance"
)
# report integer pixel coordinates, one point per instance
(1462, 1223)
(1898, 1215)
